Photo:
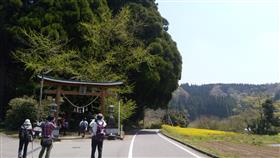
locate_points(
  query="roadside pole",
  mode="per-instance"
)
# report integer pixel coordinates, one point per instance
(119, 117)
(41, 96)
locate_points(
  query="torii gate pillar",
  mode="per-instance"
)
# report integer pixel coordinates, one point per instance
(57, 101)
(102, 98)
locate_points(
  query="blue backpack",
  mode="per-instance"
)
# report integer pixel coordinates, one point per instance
(83, 125)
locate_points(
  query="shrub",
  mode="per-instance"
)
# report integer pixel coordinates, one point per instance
(267, 123)
(153, 118)
(176, 118)
(234, 123)
(19, 110)
(206, 123)
(155, 126)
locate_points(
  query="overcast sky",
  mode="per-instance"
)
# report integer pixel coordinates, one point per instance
(225, 41)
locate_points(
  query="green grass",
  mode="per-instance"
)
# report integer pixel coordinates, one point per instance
(7, 132)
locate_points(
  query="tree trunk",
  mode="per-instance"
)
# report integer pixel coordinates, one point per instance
(3, 73)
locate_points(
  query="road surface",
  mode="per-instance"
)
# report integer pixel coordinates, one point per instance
(144, 144)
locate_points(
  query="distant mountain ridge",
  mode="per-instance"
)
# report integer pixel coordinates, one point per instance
(217, 99)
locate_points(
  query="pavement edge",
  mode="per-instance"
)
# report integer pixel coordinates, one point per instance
(190, 146)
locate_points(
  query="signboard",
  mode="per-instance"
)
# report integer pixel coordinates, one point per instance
(83, 90)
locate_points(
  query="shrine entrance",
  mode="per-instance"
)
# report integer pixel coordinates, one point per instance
(86, 88)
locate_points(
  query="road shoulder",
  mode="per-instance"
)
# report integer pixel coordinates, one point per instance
(190, 146)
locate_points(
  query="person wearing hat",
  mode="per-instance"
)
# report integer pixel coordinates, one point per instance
(25, 136)
(98, 133)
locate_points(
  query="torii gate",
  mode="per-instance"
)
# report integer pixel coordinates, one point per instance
(83, 89)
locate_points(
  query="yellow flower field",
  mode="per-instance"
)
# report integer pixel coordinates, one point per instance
(195, 131)
(225, 144)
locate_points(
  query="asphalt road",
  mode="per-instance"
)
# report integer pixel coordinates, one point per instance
(144, 144)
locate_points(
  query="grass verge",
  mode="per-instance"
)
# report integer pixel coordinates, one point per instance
(226, 144)
(7, 132)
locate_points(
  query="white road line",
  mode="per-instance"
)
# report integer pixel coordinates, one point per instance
(131, 146)
(195, 155)
(1, 146)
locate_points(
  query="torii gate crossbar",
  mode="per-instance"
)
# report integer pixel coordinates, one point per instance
(83, 85)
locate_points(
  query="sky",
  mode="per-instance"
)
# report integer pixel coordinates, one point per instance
(225, 41)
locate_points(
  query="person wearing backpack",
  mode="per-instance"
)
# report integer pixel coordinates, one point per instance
(47, 137)
(98, 134)
(83, 125)
(25, 136)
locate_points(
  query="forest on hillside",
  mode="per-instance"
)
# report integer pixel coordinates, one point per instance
(230, 107)
(221, 100)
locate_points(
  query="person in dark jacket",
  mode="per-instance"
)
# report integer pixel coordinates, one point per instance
(47, 137)
(25, 136)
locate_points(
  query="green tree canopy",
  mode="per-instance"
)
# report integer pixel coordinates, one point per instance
(95, 40)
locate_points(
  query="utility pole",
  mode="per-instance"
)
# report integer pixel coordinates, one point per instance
(41, 90)
(119, 116)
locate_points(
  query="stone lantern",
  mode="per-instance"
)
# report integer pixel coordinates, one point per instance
(53, 107)
(53, 112)
(111, 121)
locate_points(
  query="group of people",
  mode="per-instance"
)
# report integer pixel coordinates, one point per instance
(97, 130)
(26, 135)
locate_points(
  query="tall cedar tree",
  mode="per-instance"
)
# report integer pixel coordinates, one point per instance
(156, 67)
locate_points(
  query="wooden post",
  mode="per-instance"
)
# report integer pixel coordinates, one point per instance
(57, 101)
(102, 101)
(41, 96)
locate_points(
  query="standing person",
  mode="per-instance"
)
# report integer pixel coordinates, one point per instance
(25, 136)
(98, 133)
(37, 129)
(47, 137)
(64, 126)
(83, 125)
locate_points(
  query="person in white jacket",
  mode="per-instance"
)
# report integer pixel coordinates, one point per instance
(25, 136)
(98, 134)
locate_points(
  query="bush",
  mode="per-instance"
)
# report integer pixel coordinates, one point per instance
(206, 123)
(19, 110)
(156, 125)
(234, 123)
(153, 118)
(176, 118)
(261, 127)
(267, 123)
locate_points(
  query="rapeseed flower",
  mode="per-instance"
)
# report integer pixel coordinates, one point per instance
(195, 131)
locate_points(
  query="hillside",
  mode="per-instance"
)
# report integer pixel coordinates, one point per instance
(219, 100)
